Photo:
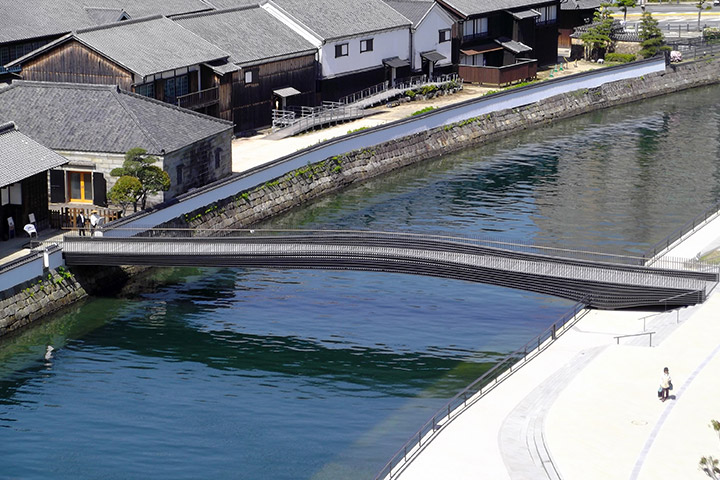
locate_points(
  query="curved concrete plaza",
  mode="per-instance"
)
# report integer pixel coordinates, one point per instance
(587, 407)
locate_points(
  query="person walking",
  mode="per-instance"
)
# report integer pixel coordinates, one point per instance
(665, 384)
(94, 221)
(80, 221)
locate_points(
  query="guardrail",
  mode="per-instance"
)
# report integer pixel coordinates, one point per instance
(635, 335)
(201, 98)
(478, 389)
(681, 233)
(439, 117)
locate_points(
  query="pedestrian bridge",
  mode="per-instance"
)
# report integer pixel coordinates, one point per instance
(599, 280)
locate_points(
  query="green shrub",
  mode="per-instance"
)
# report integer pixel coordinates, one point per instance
(619, 57)
(711, 33)
(357, 130)
(424, 110)
(410, 93)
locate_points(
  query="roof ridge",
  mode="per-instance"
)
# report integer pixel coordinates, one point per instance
(68, 85)
(7, 126)
(119, 24)
(133, 117)
(239, 8)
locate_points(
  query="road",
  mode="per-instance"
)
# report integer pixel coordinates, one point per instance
(674, 18)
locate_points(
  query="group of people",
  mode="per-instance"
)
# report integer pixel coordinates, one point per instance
(95, 221)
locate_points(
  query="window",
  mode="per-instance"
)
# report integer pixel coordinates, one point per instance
(176, 87)
(476, 60)
(477, 27)
(341, 50)
(444, 35)
(146, 90)
(217, 157)
(548, 15)
(80, 186)
(366, 45)
(179, 174)
(248, 76)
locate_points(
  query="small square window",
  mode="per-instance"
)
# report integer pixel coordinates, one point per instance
(179, 174)
(366, 45)
(444, 35)
(248, 76)
(341, 50)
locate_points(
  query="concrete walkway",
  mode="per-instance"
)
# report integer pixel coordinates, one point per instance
(587, 407)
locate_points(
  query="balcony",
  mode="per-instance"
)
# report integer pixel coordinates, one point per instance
(524, 69)
(199, 99)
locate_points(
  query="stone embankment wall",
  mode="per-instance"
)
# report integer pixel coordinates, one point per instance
(54, 290)
(332, 174)
(45, 295)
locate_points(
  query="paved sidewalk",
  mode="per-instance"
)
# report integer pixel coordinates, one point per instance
(587, 407)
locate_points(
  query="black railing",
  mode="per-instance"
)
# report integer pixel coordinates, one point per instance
(479, 388)
(680, 232)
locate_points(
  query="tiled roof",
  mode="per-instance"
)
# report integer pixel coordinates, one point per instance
(469, 8)
(21, 20)
(580, 4)
(150, 45)
(414, 10)
(101, 16)
(343, 18)
(22, 157)
(101, 118)
(249, 34)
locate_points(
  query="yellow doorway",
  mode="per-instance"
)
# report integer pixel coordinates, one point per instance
(80, 186)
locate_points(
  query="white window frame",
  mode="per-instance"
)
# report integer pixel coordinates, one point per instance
(248, 76)
(343, 48)
(367, 44)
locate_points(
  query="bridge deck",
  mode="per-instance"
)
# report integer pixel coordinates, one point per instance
(603, 284)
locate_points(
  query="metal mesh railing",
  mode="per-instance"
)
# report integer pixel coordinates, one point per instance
(477, 389)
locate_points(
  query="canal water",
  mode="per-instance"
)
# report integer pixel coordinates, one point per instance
(233, 373)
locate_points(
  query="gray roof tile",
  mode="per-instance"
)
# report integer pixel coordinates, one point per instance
(249, 34)
(469, 8)
(343, 18)
(414, 10)
(22, 157)
(101, 118)
(55, 17)
(150, 45)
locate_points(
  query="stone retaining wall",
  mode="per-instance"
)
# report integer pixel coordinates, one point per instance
(28, 302)
(311, 182)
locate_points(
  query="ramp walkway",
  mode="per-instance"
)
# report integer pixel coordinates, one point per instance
(600, 281)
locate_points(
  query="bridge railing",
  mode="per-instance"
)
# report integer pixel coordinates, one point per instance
(681, 233)
(477, 389)
(517, 246)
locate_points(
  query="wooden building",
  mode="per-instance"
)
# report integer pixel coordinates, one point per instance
(24, 166)
(502, 41)
(360, 43)
(25, 27)
(153, 56)
(270, 65)
(573, 14)
(93, 126)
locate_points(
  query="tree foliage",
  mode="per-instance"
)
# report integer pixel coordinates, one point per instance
(139, 165)
(702, 5)
(624, 5)
(710, 464)
(652, 39)
(597, 38)
(126, 192)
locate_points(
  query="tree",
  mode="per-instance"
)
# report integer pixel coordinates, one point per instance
(652, 39)
(140, 165)
(701, 5)
(126, 191)
(624, 5)
(709, 464)
(597, 37)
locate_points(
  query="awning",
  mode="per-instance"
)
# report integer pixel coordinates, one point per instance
(432, 56)
(286, 92)
(512, 45)
(395, 62)
(221, 67)
(524, 14)
(488, 47)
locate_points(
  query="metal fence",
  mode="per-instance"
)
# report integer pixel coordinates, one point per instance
(478, 389)
(696, 49)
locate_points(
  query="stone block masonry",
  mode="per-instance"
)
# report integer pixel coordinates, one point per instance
(332, 174)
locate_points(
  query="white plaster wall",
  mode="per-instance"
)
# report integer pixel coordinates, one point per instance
(393, 43)
(427, 37)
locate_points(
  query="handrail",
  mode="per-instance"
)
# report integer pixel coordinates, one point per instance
(678, 234)
(490, 379)
(635, 335)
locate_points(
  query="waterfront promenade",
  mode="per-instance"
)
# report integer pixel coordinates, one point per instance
(587, 408)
